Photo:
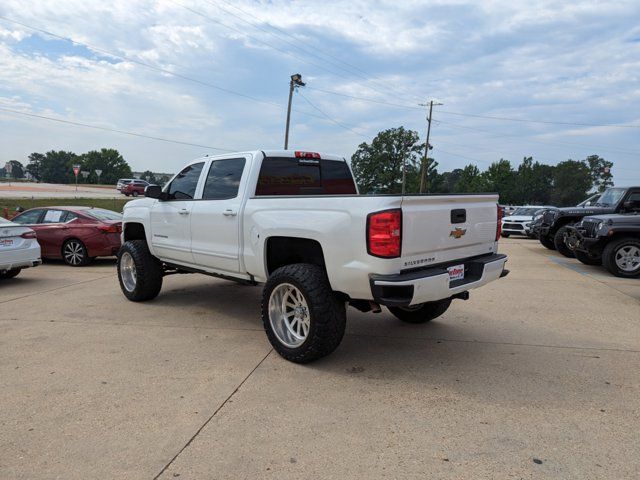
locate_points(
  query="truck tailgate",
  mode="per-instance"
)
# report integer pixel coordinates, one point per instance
(444, 228)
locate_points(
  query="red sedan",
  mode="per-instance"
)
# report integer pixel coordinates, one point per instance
(75, 234)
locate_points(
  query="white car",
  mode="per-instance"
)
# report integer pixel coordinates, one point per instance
(294, 221)
(519, 222)
(19, 249)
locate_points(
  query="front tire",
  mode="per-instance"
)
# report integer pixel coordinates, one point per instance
(587, 258)
(303, 318)
(547, 242)
(74, 253)
(622, 257)
(139, 272)
(505, 235)
(561, 245)
(135, 194)
(422, 313)
(10, 273)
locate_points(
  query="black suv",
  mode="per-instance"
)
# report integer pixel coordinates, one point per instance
(552, 230)
(613, 240)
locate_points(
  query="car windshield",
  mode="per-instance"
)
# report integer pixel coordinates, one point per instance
(100, 214)
(527, 212)
(611, 197)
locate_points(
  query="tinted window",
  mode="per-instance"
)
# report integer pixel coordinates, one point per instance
(183, 187)
(101, 214)
(298, 176)
(223, 179)
(69, 216)
(29, 217)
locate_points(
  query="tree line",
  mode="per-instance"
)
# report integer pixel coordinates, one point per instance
(378, 168)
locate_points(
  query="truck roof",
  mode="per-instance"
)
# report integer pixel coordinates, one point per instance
(278, 153)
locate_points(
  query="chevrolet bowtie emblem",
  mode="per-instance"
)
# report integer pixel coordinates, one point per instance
(458, 232)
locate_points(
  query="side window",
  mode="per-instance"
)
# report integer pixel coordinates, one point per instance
(53, 216)
(223, 179)
(183, 187)
(28, 218)
(68, 216)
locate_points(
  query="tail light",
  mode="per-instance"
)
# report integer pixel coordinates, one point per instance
(384, 233)
(307, 155)
(116, 228)
(499, 227)
(29, 235)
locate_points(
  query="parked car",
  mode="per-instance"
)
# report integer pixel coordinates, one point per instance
(123, 182)
(295, 222)
(610, 240)
(554, 222)
(519, 222)
(75, 234)
(19, 249)
(134, 188)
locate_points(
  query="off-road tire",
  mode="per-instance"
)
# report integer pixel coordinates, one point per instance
(587, 259)
(505, 235)
(148, 271)
(547, 242)
(609, 257)
(561, 246)
(10, 273)
(422, 313)
(327, 312)
(76, 246)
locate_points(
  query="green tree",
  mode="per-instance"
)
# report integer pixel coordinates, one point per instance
(109, 160)
(470, 181)
(35, 164)
(17, 169)
(149, 176)
(533, 183)
(500, 177)
(600, 170)
(54, 166)
(571, 182)
(448, 181)
(377, 167)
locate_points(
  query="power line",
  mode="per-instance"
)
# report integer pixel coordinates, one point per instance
(330, 118)
(113, 130)
(371, 100)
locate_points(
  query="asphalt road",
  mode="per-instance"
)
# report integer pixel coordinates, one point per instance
(536, 376)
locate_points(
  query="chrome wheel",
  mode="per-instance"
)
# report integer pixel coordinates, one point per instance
(73, 252)
(289, 315)
(128, 272)
(628, 258)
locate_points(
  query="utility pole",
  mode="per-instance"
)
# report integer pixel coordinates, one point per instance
(296, 81)
(427, 147)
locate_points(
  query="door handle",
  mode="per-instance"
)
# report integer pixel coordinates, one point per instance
(184, 211)
(229, 213)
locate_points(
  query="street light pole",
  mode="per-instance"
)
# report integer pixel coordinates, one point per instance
(296, 81)
(427, 147)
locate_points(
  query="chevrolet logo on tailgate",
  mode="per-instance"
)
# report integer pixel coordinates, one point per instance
(458, 232)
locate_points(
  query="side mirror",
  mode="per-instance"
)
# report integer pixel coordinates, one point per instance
(153, 191)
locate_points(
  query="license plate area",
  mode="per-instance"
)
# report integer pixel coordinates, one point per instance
(456, 272)
(6, 242)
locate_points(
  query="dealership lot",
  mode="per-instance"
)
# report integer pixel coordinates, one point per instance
(537, 377)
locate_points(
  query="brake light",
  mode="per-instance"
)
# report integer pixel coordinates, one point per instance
(384, 233)
(29, 235)
(117, 228)
(307, 155)
(499, 226)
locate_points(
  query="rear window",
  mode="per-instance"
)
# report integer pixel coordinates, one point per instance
(304, 176)
(100, 214)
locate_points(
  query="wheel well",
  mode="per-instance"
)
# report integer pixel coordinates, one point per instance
(283, 251)
(134, 231)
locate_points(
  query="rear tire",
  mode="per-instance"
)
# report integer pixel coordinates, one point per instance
(505, 235)
(74, 253)
(303, 318)
(135, 194)
(139, 272)
(10, 273)
(561, 245)
(547, 242)
(422, 313)
(587, 258)
(622, 257)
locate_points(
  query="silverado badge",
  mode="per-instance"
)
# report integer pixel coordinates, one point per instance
(458, 232)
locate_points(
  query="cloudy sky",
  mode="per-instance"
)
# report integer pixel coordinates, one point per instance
(551, 79)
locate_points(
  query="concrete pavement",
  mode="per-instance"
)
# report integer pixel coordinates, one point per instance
(537, 376)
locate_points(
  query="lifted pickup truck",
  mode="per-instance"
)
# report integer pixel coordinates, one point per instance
(552, 230)
(295, 222)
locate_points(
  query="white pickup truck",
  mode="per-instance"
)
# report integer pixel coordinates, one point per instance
(295, 222)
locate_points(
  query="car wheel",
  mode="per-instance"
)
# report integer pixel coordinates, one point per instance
(421, 313)
(10, 273)
(505, 235)
(126, 194)
(139, 272)
(135, 194)
(74, 253)
(622, 257)
(547, 242)
(588, 258)
(303, 318)
(560, 243)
